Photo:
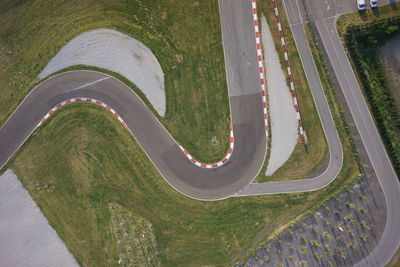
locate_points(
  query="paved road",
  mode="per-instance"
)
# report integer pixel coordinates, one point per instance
(324, 14)
(182, 174)
(247, 117)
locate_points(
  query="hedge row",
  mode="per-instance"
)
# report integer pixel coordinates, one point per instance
(363, 42)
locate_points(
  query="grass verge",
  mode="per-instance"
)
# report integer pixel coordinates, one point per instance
(366, 17)
(195, 82)
(304, 160)
(395, 261)
(94, 161)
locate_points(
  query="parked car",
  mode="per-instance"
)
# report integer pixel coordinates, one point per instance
(361, 5)
(374, 3)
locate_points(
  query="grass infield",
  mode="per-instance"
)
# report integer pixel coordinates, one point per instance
(82, 160)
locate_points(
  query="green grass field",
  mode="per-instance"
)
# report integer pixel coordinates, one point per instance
(184, 35)
(82, 159)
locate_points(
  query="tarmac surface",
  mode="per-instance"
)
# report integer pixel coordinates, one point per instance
(245, 102)
(232, 178)
(120, 53)
(324, 14)
(246, 112)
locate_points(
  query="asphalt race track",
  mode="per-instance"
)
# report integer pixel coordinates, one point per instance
(246, 112)
(245, 102)
(234, 177)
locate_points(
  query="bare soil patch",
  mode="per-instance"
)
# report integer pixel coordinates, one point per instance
(136, 241)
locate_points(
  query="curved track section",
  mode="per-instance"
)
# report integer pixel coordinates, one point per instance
(182, 174)
(247, 113)
(119, 118)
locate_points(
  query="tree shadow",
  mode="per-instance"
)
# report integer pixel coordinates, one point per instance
(394, 4)
(375, 11)
(363, 15)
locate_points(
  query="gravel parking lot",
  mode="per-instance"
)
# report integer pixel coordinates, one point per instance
(26, 238)
(112, 50)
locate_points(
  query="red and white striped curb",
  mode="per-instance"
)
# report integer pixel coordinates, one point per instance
(260, 65)
(289, 71)
(109, 108)
(264, 99)
(231, 140)
(214, 165)
(82, 99)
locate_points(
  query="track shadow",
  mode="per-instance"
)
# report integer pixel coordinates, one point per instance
(7, 5)
(363, 15)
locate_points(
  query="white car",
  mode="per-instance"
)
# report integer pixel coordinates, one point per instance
(361, 4)
(374, 3)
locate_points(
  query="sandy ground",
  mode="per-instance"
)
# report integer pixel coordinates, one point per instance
(26, 238)
(282, 113)
(112, 50)
(390, 55)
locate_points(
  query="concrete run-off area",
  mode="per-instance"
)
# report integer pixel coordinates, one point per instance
(282, 113)
(112, 50)
(26, 238)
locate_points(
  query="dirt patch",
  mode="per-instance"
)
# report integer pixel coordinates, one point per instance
(135, 237)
